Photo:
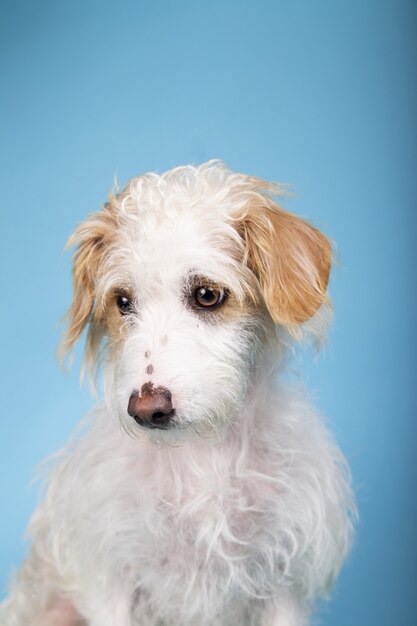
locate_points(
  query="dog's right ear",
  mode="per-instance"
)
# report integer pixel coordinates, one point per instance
(92, 241)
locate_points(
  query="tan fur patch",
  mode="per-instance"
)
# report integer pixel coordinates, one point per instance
(92, 239)
(290, 259)
(114, 324)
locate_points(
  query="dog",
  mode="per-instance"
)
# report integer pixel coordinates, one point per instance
(204, 490)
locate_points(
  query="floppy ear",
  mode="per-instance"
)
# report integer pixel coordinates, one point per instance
(291, 260)
(92, 240)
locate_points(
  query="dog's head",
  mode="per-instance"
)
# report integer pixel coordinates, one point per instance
(184, 277)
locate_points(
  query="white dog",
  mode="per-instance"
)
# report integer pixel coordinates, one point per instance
(203, 492)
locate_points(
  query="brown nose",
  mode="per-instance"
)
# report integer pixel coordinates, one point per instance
(152, 407)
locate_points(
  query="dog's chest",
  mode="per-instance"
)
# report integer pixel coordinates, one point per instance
(190, 532)
(201, 538)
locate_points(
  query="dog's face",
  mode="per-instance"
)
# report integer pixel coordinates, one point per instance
(185, 276)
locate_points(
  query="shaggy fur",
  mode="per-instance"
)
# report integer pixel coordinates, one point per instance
(241, 513)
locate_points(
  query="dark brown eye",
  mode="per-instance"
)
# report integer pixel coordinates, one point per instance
(124, 304)
(206, 297)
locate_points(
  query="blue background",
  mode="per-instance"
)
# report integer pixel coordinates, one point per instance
(321, 94)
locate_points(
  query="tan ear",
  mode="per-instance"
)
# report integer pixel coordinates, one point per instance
(92, 241)
(291, 260)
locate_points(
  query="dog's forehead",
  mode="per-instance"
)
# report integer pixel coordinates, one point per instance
(170, 242)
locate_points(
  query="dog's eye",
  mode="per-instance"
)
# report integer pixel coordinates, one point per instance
(206, 297)
(124, 304)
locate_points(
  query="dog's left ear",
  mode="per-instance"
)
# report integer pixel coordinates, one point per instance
(290, 258)
(92, 241)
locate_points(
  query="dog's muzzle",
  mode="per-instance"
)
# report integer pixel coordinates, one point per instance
(152, 407)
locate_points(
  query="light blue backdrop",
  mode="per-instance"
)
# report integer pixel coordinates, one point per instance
(319, 93)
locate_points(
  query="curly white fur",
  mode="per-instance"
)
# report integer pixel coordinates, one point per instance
(242, 512)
